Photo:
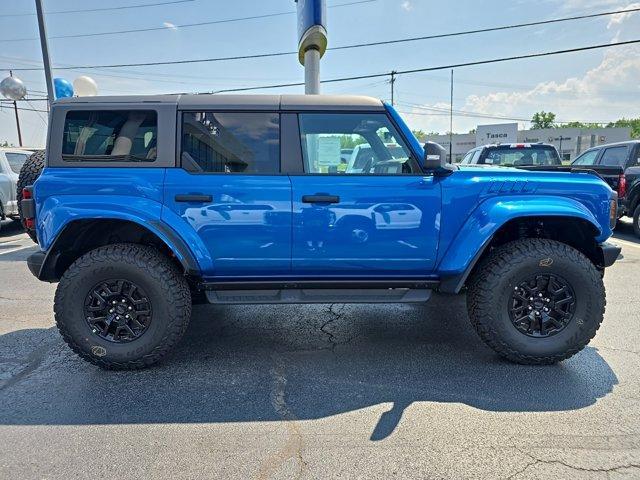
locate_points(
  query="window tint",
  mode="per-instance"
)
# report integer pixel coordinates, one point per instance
(377, 146)
(521, 156)
(614, 156)
(110, 135)
(231, 142)
(16, 160)
(587, 158)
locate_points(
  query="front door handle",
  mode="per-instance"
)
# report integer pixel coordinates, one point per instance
(320, 199)
(194, 198)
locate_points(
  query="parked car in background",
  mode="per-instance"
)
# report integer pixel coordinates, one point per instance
(619, 165)
(513, 155)
(11, 161)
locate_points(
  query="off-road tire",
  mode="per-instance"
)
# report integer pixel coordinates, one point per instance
(636, 221)
(164, 284)
(493, 282)
(29, 173)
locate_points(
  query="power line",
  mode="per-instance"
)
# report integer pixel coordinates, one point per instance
(485, 30)
(442, 67)
(287, 53)
(143, 5)
(185, 25)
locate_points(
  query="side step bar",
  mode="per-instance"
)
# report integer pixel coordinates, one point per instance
(320, 291)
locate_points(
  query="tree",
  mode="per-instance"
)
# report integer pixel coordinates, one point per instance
(350, 141)
(473, 130)
(633, 123)
(6, 144)
(542, 120)
(581, 125)
(419, 134)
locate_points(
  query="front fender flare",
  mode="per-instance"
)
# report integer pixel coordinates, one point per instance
(477, 232)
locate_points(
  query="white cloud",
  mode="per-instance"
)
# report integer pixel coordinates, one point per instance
(607, 92)
(617, 20)
(170, 26)
(406, 6)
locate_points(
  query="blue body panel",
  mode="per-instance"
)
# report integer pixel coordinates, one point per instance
(64, 195)
(245, 231)
(382, 227)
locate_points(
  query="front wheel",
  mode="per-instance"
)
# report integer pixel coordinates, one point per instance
(122, 306)
(536, 301)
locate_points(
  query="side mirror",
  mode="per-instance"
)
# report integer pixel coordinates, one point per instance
(435, 157)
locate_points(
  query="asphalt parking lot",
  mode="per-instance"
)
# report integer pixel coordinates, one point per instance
(327, 391)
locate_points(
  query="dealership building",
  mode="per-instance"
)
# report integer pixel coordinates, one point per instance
(570, 142)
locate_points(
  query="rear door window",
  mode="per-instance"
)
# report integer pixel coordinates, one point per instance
(110, 135)
(231, 142)
(615, 156)
(587, 158)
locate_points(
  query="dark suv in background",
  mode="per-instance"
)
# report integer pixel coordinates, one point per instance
(619, 165)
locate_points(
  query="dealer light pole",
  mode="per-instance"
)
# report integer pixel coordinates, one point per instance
(45, 51)
(312, 41)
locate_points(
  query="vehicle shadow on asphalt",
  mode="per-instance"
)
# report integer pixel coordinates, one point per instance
(282, 363)
(624, 231)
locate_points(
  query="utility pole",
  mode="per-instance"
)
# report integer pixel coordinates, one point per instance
(392, 82)
(312, 41)
(15, 109)
(451, 122)
(45, 51)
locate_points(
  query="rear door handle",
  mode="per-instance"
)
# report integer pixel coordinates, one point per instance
(194, 198)
(320, 199)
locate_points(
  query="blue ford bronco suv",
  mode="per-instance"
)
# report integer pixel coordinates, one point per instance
(147, 204)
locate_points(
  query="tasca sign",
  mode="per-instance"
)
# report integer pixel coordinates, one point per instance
(500, 133)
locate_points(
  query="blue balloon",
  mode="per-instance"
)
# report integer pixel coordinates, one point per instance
(63, 88)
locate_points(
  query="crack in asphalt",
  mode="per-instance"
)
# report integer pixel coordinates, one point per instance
(294, 445)
(535, 461)
(336, 316)
(35, 358)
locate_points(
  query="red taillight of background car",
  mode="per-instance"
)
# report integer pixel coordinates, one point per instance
(27, 194)
(30, 223)
(622, 186)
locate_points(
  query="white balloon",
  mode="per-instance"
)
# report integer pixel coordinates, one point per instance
(13, 88)
(85, 87)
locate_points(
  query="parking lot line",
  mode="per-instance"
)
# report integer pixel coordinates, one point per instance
(626, 243)
(15, 249)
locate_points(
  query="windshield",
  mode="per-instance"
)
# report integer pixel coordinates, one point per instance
(520, 156)
(16, 160)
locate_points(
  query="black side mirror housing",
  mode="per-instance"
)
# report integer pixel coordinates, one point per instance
(435, 159)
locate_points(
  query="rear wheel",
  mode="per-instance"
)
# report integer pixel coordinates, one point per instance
(536, 301)
(636, 221)
(122, 306)
(29, 173)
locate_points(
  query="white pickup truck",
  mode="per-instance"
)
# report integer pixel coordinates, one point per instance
(11, 161)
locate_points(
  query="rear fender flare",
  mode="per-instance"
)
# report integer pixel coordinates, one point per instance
(58, 212)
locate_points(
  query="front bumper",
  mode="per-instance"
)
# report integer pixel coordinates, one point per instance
(609, 252)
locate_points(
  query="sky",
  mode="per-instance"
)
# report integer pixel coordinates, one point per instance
(595, 86)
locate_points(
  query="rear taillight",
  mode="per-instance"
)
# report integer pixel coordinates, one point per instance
(613, 212)
(622, 186)
(27, 194)
(30, 223)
